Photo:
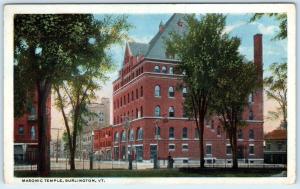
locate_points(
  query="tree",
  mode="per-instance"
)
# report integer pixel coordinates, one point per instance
(47, 47)
(74, 95)
(200, 51)
(276, 89)
(236, 80)
(281, 17)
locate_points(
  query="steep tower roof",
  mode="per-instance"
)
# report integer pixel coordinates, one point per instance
(156, 48)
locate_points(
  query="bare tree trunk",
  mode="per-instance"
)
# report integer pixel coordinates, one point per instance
(72, 159)
(234, 148)
(43, 89)
(201, 133)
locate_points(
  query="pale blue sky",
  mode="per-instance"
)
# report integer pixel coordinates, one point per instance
(145, 26)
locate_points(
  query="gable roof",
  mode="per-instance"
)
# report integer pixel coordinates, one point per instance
(278, 134)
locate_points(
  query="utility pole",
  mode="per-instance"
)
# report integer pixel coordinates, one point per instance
(57, 137)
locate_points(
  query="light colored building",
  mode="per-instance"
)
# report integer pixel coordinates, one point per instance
(99, 118)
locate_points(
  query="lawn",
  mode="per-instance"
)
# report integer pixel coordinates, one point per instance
(208, 172)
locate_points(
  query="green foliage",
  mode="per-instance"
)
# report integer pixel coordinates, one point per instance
(276, 89)
(281, 17)
(49, 48)
(200, 51)
(237, 79)
(23, 96)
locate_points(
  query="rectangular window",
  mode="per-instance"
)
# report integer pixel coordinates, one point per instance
(142, 91)
(21, 130)
(208, 149)
(136, 94)
(251, 115)
(279, 146)
(196, 133)
(268, 146)
(185, 147)
(171, 147)
(251, 149)
(228, 149)
(132, 96)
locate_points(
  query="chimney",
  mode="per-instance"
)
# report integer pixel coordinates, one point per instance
(258, 54)
(161, 27)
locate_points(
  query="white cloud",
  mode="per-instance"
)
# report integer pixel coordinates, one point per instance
(232, 27)
(266, 30)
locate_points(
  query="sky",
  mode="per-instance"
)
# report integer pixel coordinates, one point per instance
(145, 26)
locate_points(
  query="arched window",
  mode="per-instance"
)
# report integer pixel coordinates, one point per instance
(184, 132)
(157, 91)
(140, 134)
(156, 69)
(171, 111)
(164, 69)
(184, 92)
(171, 70)
(123, 135)
(131, 135)
(157, 131)
(251, 134)
(171, 92)
(171, 132)
(157, 111)
(116, 136)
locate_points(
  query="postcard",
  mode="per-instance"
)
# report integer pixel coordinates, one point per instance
(148, 93)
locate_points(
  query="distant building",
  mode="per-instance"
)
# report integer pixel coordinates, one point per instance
(100, 119)
(103, 143)
(26, 132)
(276, 146)
(57, 149)
(145, 92)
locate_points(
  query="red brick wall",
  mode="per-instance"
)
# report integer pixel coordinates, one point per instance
(142, 75)
(27, 124)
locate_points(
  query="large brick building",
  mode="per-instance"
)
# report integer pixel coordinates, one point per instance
(146, 93)
(26, 132)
